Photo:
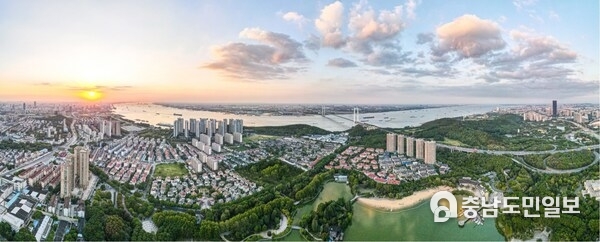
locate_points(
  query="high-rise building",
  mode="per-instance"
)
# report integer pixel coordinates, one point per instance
(75, 171)
(400, 144)
(219, 139)
(117, 128)
(554, 109)
(24, 107)
(410, 147)
(237, 137)
(430, 150)
(66, 177)
(34, 104)
(213, 164)
(82, 161)
(193, 126)
(420, 148)
(390, 141)
(186, 128)
(228, 138)
(203, 125)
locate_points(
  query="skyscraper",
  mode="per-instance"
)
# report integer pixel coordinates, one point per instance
(554, 109)
(75, 171)
(82, 161)
(66, 177)
(390, 142)
(420, 148)
(430, 150)
(400, 144)
(410, 147)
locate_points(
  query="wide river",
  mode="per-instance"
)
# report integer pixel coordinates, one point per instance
(155, 114)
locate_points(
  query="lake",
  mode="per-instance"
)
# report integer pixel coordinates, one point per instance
(413, 224)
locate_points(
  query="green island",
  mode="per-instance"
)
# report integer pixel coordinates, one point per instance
(316, 205)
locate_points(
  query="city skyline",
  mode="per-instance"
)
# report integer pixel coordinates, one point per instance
(405, 52)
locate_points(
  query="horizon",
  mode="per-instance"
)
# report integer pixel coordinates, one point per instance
(413, 52)
(30, 102)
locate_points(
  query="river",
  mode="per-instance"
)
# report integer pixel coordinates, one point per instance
(155, 114)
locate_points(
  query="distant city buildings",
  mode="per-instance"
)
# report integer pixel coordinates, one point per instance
(554, 109)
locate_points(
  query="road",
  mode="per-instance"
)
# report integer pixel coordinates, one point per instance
(554, 171)
(46, 157)
(514, 152)
(589, 131)
(293, 164)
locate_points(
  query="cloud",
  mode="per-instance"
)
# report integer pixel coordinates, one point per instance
(101, 88)
(366, 25)
(553, 15)
(520, 4)
(312, 43)
(294, 17)
(329, 24)
(468, 36)
(341, 63)
(263, 61)
(423, 38)
(411, 6)
(535, 57)
(43, 84)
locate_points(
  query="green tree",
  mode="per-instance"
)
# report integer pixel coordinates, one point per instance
(24, 235)
(6, 231)
(114, 228)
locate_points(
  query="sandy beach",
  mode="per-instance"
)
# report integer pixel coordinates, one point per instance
(396, 204)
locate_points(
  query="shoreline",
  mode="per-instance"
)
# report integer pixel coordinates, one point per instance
(403, 203)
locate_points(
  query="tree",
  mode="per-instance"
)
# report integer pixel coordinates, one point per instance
(72, 235)
(114, 228)
(24, 235)
(6, 231)
(37, 215)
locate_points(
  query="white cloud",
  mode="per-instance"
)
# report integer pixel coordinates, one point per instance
(468, 36)
(330, 23)
(294, 17)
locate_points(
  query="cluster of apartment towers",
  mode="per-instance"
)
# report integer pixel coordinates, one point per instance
(411, 147)
(75, 172)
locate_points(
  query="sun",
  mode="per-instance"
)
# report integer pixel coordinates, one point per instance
(91, 95)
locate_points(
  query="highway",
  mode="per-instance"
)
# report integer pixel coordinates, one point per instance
(46, 157)
(554, 171)
(514, 152)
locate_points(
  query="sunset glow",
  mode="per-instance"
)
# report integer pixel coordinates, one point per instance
(91, 95)
(376, 52)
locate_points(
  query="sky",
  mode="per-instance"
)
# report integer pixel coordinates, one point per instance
(271, 51)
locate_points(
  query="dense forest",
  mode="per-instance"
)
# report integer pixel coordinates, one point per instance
(359, 136)
(269, 171)
(27, 146)
(329, 215)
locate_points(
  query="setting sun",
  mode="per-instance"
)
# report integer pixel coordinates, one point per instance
(91, 95)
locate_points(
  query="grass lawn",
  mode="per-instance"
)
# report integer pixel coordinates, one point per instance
(259, 137)
(171, 170)
(453, 142)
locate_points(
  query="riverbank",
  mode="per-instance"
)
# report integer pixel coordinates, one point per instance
(406, 202)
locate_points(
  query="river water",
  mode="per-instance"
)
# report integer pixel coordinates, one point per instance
(155, 114)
